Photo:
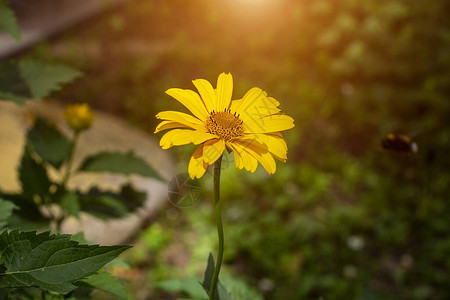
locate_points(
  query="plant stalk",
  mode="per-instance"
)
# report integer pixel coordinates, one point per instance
(215, 278)
(70, 159)
(66, 177)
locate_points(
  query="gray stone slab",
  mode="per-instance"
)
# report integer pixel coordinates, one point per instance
(41, 19)
(107, 133)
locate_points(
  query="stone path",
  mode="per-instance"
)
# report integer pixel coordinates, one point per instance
(107, 133)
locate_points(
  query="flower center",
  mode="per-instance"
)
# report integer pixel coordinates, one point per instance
(225, 125)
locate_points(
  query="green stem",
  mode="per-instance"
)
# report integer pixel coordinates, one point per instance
(70, 159)
(59, 223)
(67, 176)
(215, 278)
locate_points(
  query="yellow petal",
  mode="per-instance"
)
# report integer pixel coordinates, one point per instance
(177, 137)
(169, 125)
(268, 124)
(252, 95)
(224, 91)
(273, 101)
(282, 140)
(255, 105)
(237, 157)
(239, 162)
(182, 118)
(269, 101)
(275, 143)
(234, 106)
(243, 159)
(212, 150)
(191, 100)
(197, 166)
(207, 93)
(258, 151)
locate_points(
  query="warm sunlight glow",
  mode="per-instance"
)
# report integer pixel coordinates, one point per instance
(251, 1)
(255, 12)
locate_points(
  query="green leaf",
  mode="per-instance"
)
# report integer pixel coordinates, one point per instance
(27, 211)
(27, 79)
(191, 287)
(209, 272)
(107, 283)
(118, 263)
(131, 198)
(103, 207)
(53, 296)
(12, 85)
(46, 78)
(6, 209)
(105, 204)
(70, 204)
(8, 21)
(50, 262)
(123, 163)
(221, 292)
(79, 237)
(30, 294)
(49, 143)
(239, 289)
(33, 177)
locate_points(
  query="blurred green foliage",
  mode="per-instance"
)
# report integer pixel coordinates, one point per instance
(47, 149)
(342, 219)
(26, 79)
(8, 21)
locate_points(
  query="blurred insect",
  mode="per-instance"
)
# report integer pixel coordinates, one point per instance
(399, 143)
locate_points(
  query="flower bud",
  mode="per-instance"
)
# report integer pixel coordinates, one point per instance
(78, 116)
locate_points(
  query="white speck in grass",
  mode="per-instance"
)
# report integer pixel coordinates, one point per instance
(356, 242)
(266, 285)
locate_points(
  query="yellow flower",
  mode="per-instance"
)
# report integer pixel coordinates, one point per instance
(78, 116)
(250, 127)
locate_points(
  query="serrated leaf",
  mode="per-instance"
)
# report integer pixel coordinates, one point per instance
(107, 283)
(23, 80)
(116, 162)
(6, 209)
(46, 78)
(48, 142)
(221, 291)
(12, 85)
(8, 21)
(33, 177)
(70, 204)
(104, 204)
(50, 262)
